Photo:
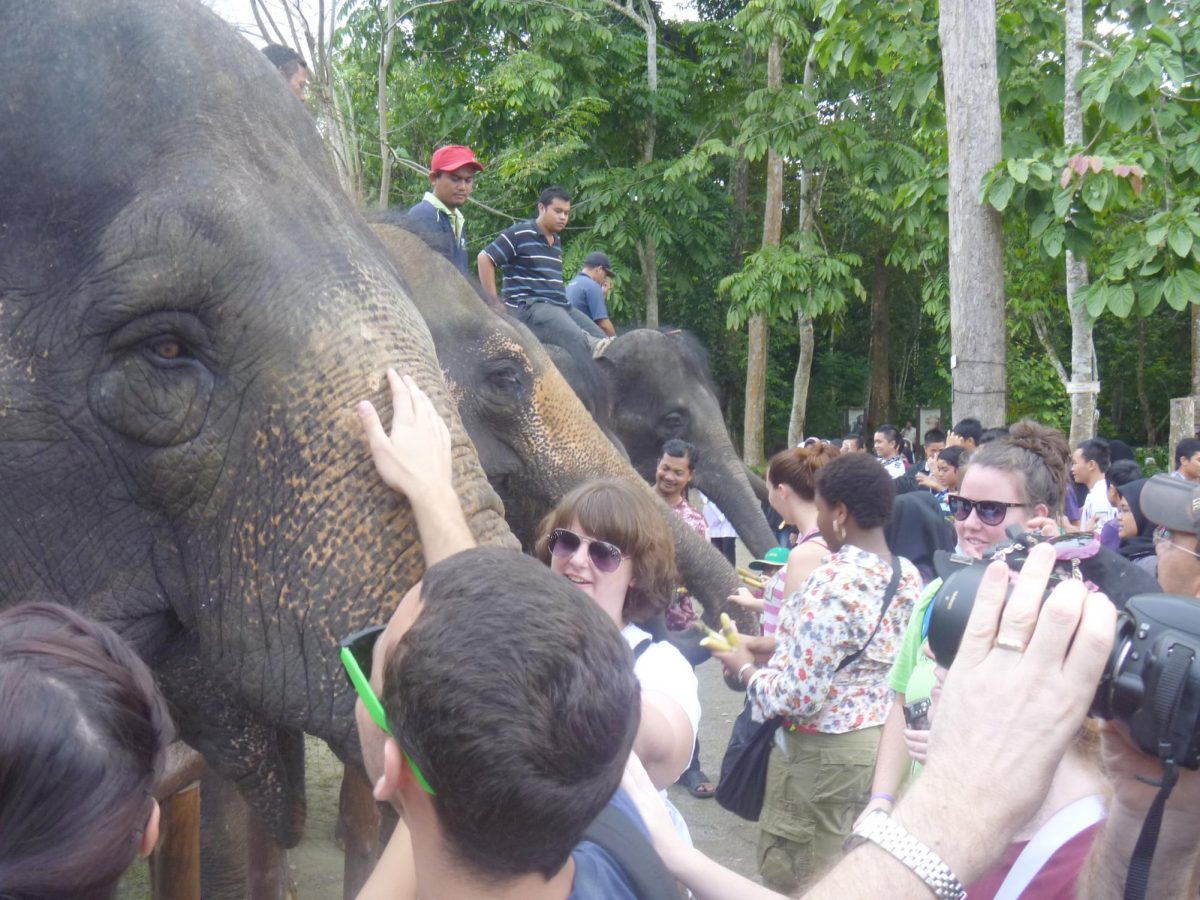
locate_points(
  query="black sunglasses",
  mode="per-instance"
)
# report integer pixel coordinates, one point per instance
(991, 512)
(604, 556)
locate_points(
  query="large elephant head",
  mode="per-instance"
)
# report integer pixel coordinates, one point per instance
(535, 439)
(660, 388)
(189, 309)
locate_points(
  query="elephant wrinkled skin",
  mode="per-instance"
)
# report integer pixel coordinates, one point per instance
(189, 308)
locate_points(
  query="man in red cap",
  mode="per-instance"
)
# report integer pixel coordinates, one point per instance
(438, 217)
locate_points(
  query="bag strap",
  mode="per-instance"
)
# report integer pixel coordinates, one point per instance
(624, 840)
(641, 648)
(887, 601)
(1064, 826)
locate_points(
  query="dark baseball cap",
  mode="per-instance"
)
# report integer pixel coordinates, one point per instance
(598, 259)
(452, 158)
(1173, 503)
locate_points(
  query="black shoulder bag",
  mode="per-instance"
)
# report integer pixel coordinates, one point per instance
(744, 766)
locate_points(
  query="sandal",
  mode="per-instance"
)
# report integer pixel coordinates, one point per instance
(697, 784)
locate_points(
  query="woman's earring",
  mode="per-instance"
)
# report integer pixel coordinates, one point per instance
(839, 530)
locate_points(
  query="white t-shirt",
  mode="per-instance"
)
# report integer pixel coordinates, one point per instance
(1097, 505)
(718, 525)
(662, 668)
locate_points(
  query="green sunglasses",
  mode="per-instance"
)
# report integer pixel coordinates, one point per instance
(356, 653)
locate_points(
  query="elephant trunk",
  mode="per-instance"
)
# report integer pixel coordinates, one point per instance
(724, 482)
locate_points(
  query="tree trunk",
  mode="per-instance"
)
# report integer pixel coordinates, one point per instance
(1085, 377)
(1140, 382)
(647, 253)
(1196, 349)
(810, 202)
(802, 379)
(385, 149)
(649, 250)
(756, 357)
(879, 401)
(967, 29)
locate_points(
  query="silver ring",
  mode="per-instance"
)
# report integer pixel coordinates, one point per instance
(1010, 644)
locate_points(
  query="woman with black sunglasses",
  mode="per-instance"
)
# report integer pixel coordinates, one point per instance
(1017, 480)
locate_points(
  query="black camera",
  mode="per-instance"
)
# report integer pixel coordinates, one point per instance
(1152, 679)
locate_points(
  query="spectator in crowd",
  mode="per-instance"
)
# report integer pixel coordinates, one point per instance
(588, 290)
(1136, 531)
(909, 433)
(791, 491)
(967, 433)
(887, 448)
(721, 533)
(771, 568)
(1089, 463)
(439, 218)
(530, 253)
(1016, 481)
(924, 476)
(82, 747)
(1187, 460)
(853, 443)
(949, 467)
(1119, 474)
(836, 640)
(291, 66)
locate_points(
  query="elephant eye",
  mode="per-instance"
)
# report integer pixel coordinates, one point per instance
(168, 349)
(673, 421)
(505, 375)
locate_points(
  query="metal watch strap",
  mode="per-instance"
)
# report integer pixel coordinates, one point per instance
(880, 828)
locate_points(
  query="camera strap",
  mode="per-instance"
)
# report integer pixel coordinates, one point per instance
(1167, 698)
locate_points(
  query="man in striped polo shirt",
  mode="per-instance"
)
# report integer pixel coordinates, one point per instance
(530, 253)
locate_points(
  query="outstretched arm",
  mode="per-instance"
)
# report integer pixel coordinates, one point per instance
(415, 460)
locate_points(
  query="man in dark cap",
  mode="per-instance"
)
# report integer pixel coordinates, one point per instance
(438, 218)
(588, 290)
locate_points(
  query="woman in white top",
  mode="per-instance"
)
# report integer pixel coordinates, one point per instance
(611, 541)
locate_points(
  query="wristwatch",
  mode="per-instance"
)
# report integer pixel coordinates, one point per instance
(880, 828)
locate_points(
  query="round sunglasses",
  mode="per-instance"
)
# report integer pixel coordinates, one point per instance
(990, 512)
(606, 557)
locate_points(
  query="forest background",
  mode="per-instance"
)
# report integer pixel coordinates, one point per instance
(665, 130)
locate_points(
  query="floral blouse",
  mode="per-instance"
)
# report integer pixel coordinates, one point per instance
(828, 619)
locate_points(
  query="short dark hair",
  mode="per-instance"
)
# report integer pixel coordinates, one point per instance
(890, 433)
(993, 434)
(952, 456)
(935, 436)
(1186, 449)
(515, 695)
(680, 448)
(83, 742)
(969, 429)
(857, 438)
(1122, 472)
(1096, 450)
(552, 193)
(285, 59)
(862, 484)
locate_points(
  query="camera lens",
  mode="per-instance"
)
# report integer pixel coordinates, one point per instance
(949, 610)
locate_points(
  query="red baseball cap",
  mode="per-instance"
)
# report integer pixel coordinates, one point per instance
(453, 157)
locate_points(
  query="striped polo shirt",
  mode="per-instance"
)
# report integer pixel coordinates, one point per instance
(532, 265)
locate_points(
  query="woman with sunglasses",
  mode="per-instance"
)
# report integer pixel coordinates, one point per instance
(836, 640)
(1017, 480)
(610, 540)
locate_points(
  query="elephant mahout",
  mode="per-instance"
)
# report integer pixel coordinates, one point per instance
(535, 439)
(189, 308)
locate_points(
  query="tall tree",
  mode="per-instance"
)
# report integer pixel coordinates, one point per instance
(1084, 386)
(756, 356)
(977, 332)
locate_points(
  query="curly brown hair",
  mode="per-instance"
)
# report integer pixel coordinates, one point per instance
(1039, 454)
(625, 515)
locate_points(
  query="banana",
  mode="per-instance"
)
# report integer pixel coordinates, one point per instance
(729, 630)
(751, 581)
(715, 642)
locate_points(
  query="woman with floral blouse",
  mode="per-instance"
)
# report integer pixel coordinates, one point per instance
(819, 773)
